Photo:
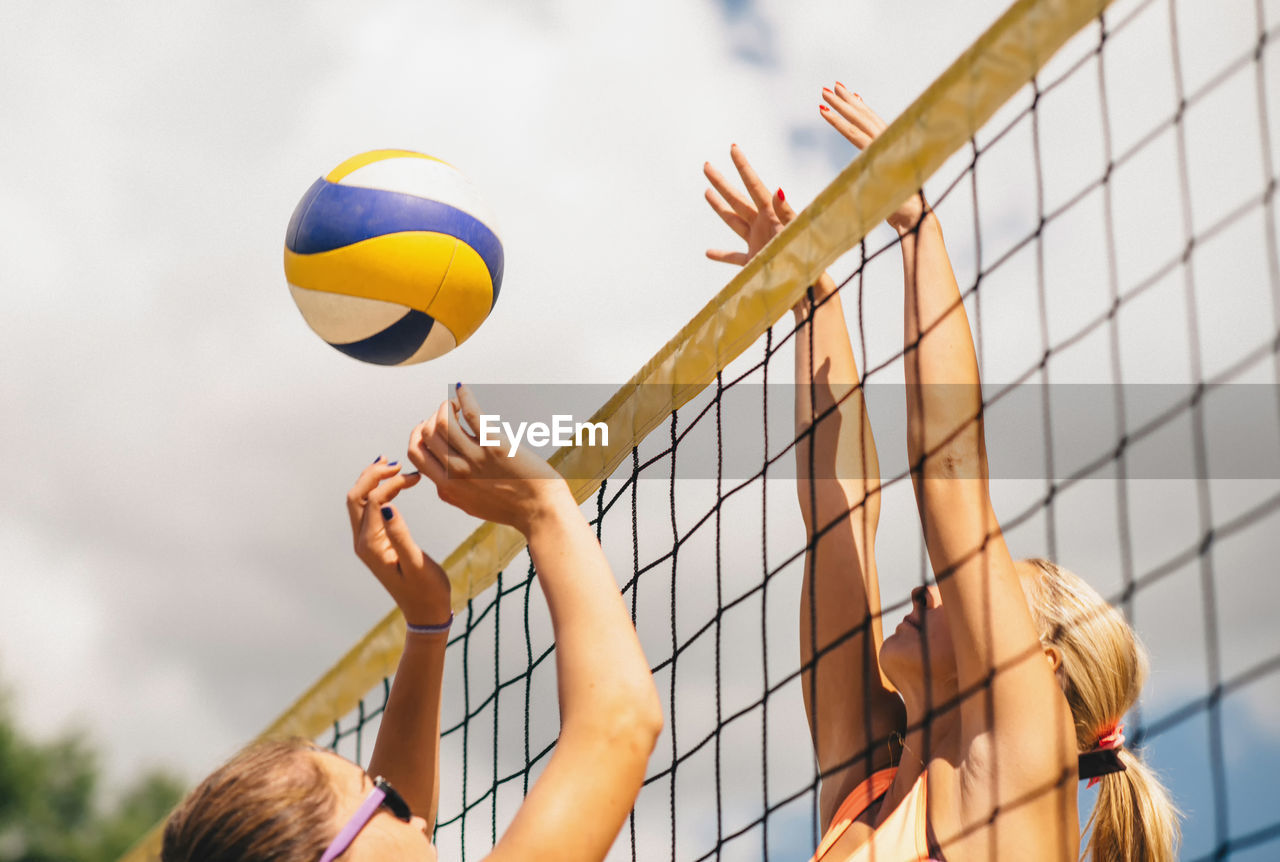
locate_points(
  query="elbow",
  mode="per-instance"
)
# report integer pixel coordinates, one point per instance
(953, 463)
(626, 724)
(948, 452)
(643, 721)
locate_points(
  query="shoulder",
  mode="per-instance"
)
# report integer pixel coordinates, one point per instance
(1017, 757)
(1009, 798)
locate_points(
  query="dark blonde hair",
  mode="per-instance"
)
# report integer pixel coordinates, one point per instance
(1103, 669)
(272, 802)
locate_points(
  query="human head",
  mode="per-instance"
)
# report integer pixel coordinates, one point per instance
(918, 656)
(272, 801)
(383, 836)
(284, 801)
(1101, 666)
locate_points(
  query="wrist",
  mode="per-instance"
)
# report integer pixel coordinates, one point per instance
(911, 216)
(550, 501)
(428, 629)
(428, 614)
(905, 225)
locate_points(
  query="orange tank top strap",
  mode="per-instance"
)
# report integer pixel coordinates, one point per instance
(901, 836)
(862, 798)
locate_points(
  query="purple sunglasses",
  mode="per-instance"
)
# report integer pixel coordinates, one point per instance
(382, 795)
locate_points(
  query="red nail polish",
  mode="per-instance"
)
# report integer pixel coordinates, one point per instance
(825, 90)
(838, 84)
(781, 196)
(823, 108)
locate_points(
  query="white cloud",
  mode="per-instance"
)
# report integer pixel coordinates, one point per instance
(174, 555)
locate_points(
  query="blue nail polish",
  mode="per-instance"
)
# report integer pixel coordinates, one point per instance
(457, 386)
(393, 463)
(388, 513)
(376, 460)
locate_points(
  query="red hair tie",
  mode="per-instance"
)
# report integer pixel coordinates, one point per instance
(1103, 759)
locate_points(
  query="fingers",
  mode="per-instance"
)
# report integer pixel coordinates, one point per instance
(462, 442)
(875, 124)
(468, 407)
(852, 133)
(442, 447)
(851, 117)
(374, 519)
(735, 222)
(436, 437)
(418, 452)
(428, 442)
(755, 186)
(783, 209)
(737, 258)
(358, 496)
(741, 206)
(390, 488)
(430, 466)
(408, 554)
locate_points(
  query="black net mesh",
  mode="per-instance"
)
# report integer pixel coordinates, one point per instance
(1113, 230)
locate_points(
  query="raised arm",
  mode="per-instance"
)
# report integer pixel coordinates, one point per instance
(407, 751)
(1015, 729)
(851, 709)
(609, 711)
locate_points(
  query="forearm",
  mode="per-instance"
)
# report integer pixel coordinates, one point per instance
(609, 711)
(821, 324)
(837, 465)
(601, 670)
(846, 699)
(843, 464)
(944, 428)
(943, 393)
(407, 752)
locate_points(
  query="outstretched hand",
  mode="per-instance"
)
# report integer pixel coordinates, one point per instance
(757, 217)
(482, 480)
(383, 543)
(860, 126)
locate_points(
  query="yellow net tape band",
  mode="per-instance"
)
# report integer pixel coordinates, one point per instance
(941, 121)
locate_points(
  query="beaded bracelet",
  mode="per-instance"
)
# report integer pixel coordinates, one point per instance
(430, 630)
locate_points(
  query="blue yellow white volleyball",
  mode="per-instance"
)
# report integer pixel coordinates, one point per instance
(393, 258)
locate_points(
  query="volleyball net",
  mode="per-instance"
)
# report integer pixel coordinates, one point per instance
(1106, 178)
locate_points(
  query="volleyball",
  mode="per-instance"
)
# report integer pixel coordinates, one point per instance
(393, 258)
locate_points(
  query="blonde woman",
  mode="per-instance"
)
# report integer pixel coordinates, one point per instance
(289, 801)
(963, 733)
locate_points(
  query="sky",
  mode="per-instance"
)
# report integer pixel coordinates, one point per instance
(173, 546)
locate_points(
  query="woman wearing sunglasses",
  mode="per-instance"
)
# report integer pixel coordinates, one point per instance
(289, 800)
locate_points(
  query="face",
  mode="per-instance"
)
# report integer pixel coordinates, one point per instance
(384, 837)
(920, 646)
(923, 633)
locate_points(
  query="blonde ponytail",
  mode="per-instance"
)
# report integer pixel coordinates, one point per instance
(1102, 672)
(1134, 819)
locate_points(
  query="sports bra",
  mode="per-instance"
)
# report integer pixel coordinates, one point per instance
(902, 837)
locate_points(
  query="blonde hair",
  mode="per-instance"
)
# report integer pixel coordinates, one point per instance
(272, 802)
(1102, 672)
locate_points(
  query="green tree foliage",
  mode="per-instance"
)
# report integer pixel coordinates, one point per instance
(50, 810)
